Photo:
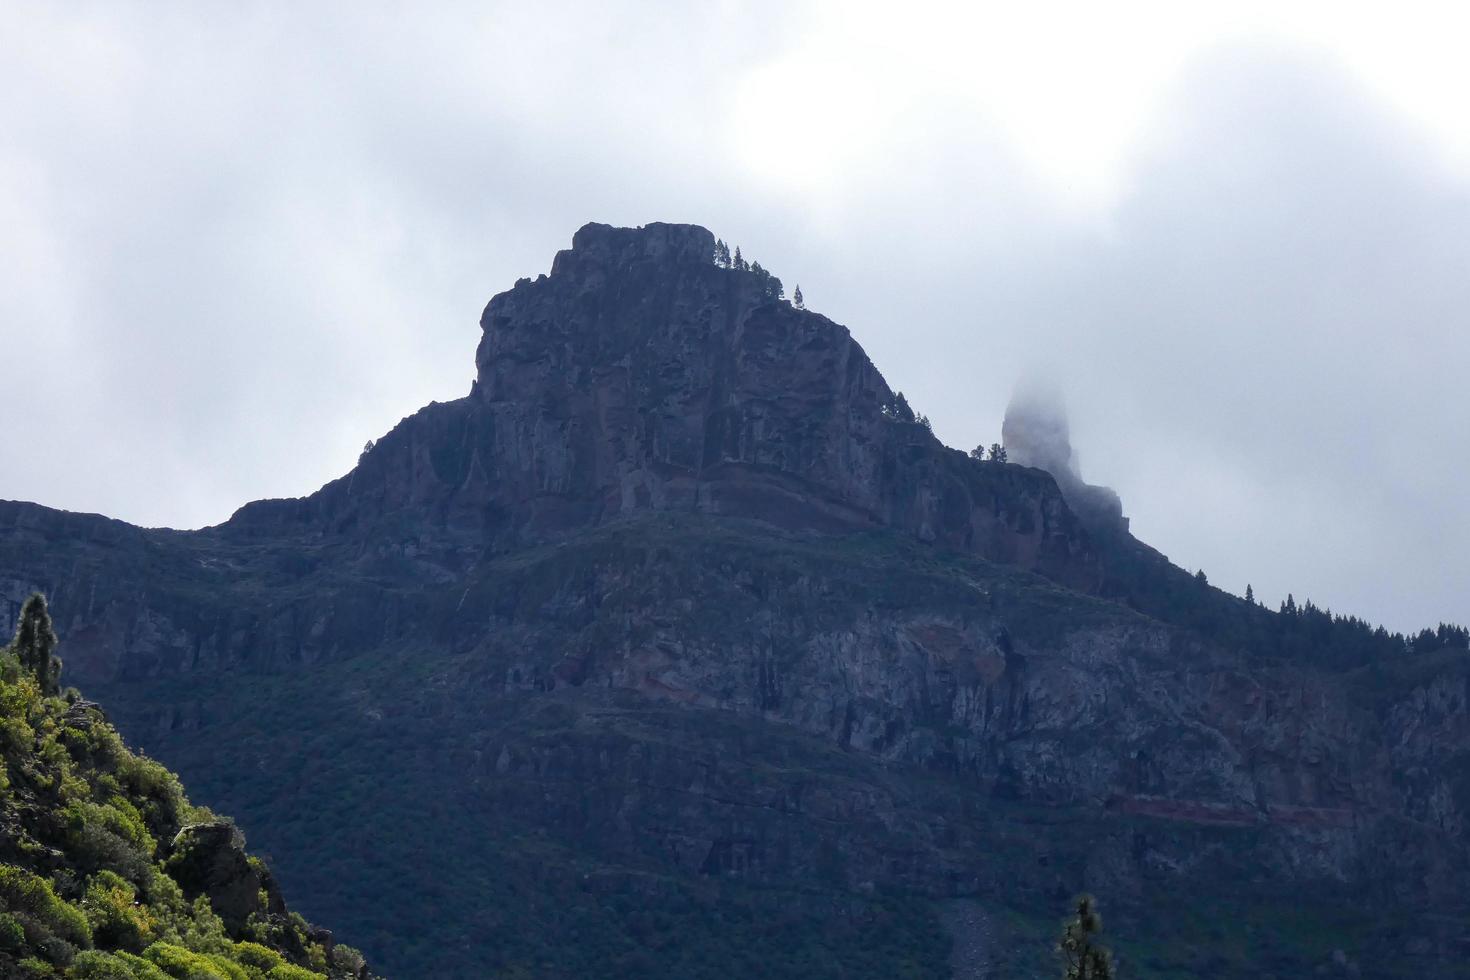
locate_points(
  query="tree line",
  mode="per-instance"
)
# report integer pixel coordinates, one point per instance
(770, 286)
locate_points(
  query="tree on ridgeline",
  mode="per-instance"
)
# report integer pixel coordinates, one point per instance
(978, 453)
(997, 453)
(796, 299)
(1250, 595)
(722, 254)
(901, 408)
(739, 262)
(35, 644)
(771, 287)
(1084, 957)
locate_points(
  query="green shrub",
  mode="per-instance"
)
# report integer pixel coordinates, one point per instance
(288, 971)
(142, 969)
(29, 896)
(180, 922)
(183, 964)
(15, 734)
(33, 967)
(92, 965)
(54, 949)
(12, 936)
(157, 791)
(345, 959)
(100, 835)
(229, 967)
(257, 956)
(123, 819)
(117, 921)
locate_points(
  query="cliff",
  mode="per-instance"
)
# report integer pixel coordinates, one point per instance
(673, 612)
(639, 376)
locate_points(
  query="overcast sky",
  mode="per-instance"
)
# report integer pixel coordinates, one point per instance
(237, 241)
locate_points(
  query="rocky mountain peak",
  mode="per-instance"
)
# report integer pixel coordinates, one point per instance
(614, 596)
(606, 247)
(642, 375)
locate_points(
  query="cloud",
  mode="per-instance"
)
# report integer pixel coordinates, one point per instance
(238, 244)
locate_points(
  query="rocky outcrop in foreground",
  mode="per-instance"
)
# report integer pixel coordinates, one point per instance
(107, 872)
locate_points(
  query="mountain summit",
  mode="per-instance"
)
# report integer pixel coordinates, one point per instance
(680, 647)
(641, 376)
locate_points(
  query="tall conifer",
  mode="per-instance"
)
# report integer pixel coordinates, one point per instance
(1084, 957)
(35, 644)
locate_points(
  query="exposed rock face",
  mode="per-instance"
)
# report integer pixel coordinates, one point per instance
(209, 859)
(693, 600)
(640, 376)
(1036, 434)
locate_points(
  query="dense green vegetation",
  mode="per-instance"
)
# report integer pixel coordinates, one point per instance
(106, 871)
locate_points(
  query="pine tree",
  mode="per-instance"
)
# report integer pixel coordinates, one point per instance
(978, 452)
(35, 644)
(739, 262)
(796, 299)
(1084, 958)
(722, 254)
(1250, 595)
(901, 408)
(997, 453)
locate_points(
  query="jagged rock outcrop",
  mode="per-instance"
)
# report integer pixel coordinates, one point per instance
(1036, 434)
(209, 859)
(672, 587)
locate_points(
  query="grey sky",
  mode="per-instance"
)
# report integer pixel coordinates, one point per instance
(235, 245)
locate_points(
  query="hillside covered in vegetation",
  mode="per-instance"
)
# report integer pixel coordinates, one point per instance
(107, 872)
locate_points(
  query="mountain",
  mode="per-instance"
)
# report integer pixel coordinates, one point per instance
(107, 872)
(680, 647)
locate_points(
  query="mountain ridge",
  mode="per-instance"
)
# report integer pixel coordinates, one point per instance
(566, 399)
(672, 503)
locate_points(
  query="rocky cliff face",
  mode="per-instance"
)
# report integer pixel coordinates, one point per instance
(639, 376)
(672, 587)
